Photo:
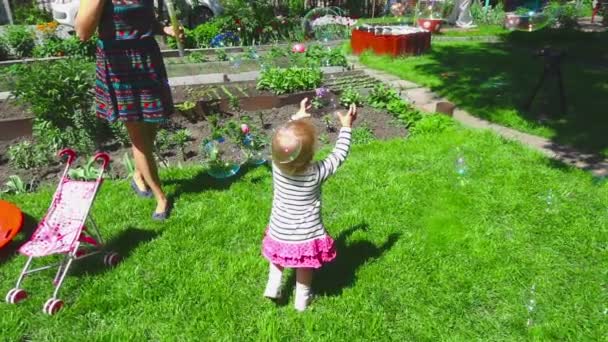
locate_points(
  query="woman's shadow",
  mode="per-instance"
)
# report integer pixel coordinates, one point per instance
(334, 277)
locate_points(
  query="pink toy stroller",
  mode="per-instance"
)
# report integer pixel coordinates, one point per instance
(63, 231)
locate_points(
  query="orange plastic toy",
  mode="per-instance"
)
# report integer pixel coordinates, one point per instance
(11, 221)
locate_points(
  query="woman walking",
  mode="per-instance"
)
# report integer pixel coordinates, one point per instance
(132, 84)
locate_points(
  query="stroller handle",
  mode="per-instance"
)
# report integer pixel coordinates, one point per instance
(70, 153)
(104, 157)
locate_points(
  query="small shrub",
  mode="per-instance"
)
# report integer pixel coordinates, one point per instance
(565, 14)
(203, 34)
(27, 155)
(162, 145)
(120, 133)
(30, 13)
(5, 50)
(404, 112)
(21, 40)
(381, 95)
(197, 57)
(282, 81)
(15, 186)
(221, 55)
(59, 93)
(431, 124)
(488, 16)
(329, 123)
(363, 135)
(350, 96)
(89, 171)
(181, 139)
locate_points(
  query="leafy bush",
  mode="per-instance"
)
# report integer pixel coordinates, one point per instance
(490, 16)
(431, 124)
(181, 139)
(26, 155)
(565, 15)
(59, 93)
(381, 95)
(21, 40)
(204, 33)
(404, 112)
(197, 57)
(15, 185)
(29, 13)
(89, 171)
(319, 55)
(289, 80)
(363, 135)
(5, 50)
(350, 96)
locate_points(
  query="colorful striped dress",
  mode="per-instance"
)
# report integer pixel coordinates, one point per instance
(132, 83)
(296, 236)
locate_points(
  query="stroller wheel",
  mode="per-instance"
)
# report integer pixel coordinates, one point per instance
(111, 259)
(15, 296)
(52, 306)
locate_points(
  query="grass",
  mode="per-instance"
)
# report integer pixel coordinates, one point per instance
(422, 255)
(494, 80)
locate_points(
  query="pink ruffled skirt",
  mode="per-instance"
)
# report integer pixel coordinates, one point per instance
(310, 254)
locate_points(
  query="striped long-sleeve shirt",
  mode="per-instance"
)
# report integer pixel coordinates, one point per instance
(296, 207)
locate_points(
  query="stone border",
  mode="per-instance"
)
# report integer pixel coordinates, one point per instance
(426, 100)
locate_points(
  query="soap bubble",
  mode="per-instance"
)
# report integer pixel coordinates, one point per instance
(256, 150)
(224, 39)
(531, 21)
(430, 9)
(222, 158)
(290, 146)
(326, 24)
(235, 61)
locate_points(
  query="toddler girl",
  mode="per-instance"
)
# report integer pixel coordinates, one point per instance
(295, 237)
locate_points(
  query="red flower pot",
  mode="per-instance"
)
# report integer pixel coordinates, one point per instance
(433, 25)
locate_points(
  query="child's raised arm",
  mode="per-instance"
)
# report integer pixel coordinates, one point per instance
(330, 165)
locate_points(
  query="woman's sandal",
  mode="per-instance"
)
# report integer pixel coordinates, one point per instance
(140, 193)
(165, 214)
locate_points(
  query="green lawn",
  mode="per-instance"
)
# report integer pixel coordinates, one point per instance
(493, 81)
(422, 256)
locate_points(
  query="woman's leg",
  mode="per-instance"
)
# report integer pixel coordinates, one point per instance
(303, 291)
(142, 138)
(275, 277)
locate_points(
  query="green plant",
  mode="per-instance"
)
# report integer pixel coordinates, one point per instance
(30, 13)
(5, 50)
(89, 171)
(349, 96)
(221, 55)
(129, 165)
(120, 133)
(181, 139)
(488, 16)
(432, 124)
(204, 33)
(15, 186)
(185, 106)
(234, 102)
(381, 95)
(404, 112)
(281, 81)
(565, 15)
(324, 139)
(162, 145)
(197, 57)
(59, 93)
(26, 155)
(329, 123)
(362, 135)
(21, 40)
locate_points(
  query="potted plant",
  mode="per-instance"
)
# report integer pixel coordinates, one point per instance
(430, 15)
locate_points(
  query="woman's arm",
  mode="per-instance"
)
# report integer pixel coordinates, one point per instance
(88, 18)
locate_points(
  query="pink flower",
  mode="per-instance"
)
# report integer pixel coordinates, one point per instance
(245, 129)
(298, 48)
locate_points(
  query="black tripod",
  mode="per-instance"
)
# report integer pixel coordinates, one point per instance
(552, 69)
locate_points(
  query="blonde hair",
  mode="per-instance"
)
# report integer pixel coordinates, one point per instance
(305, 132)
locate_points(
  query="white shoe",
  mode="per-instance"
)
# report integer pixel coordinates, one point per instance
(301, 304)
(273, 292)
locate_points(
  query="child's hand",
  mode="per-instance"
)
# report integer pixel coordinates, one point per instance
(347, 119)
(303, 112)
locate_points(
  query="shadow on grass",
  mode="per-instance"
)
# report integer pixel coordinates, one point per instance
(124, 244)
(203, 182)
(334, 277)
(495, 80)
(10, 251)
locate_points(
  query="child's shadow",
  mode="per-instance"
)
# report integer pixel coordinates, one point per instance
(341, 273)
